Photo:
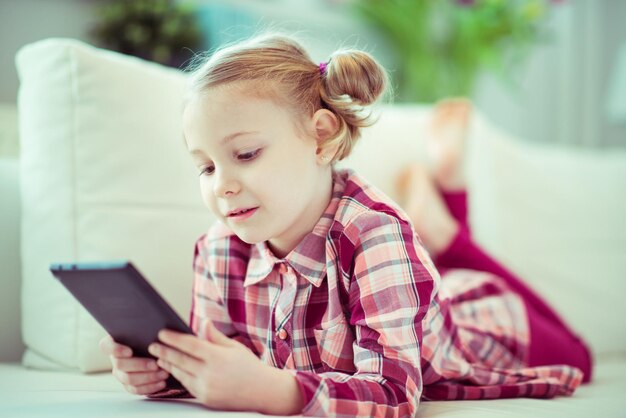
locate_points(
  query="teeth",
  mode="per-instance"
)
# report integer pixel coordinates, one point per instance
(243, 211)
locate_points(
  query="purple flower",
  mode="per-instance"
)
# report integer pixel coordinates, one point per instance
(465, 2)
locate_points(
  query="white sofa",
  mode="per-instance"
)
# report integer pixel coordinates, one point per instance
(103, 174)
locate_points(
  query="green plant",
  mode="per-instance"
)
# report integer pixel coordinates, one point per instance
(443, 45)
(157, 30)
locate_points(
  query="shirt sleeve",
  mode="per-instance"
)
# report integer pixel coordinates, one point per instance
(392, 284)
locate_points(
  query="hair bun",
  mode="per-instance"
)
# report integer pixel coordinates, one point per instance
(357, 74)
(353, 81)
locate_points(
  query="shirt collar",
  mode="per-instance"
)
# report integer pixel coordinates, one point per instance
(308, 258)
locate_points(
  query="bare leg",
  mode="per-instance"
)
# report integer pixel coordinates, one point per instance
(426, 209)
(446, 143)
(417, 186)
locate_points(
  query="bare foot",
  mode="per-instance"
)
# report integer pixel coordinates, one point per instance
(426, 209)
(446, 142)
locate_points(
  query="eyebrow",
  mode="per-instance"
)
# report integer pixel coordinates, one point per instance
(224, 140)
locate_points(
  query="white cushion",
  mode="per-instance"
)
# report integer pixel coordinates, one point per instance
(104, 175)
(393, 142)
(555, 216)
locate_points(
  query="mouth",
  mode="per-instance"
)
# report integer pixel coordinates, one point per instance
(240, 214)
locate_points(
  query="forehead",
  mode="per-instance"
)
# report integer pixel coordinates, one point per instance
(223, 108)
(215, 114)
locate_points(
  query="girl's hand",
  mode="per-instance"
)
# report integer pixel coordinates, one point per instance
(220, 372)
(140, 376)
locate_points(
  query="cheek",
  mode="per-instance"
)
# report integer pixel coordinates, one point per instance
(292, 187)
(285, 194)
(208, 197)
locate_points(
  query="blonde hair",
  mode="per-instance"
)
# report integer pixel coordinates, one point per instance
(276, 66)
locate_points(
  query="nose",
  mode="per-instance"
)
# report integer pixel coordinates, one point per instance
(225, 184)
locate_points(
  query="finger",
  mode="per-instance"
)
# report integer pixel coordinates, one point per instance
(140, 378)
(134, 364)
(178, 358)
(185, 378)
(146, 389)
(110, 347)
(186, 343)
(215, 335)
(105, 344)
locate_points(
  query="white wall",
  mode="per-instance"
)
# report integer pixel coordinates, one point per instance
(563, 86)
(328, 25)
(25, 21)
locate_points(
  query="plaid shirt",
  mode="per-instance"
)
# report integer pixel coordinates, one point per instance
(360, 316)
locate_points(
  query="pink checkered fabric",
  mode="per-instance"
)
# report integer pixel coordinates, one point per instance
(369, 327)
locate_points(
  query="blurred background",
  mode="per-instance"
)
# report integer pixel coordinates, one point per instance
(545, 71)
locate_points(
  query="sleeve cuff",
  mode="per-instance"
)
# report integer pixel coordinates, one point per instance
(309, 384)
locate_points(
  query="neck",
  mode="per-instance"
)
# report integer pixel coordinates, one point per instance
(311, 217)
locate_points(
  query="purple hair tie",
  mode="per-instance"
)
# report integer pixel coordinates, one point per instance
(323, 67)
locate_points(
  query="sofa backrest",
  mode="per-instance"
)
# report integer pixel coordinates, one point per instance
(104, 175)
(12, 346)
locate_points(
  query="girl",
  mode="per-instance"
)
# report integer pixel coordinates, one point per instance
(313, 294)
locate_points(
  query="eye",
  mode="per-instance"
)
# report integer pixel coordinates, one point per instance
(249, 155)
(208, 170)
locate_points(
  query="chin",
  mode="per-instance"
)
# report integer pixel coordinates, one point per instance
(249, 238)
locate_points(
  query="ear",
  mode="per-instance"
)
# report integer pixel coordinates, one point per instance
(325, 125)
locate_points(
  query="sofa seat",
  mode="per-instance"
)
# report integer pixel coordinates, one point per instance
(34, 393)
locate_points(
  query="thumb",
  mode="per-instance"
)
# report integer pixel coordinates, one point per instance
(214, 335)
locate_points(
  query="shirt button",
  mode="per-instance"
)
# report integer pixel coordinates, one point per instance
(282, 334)
(282, 269)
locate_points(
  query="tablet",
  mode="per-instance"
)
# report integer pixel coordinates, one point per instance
(123, 302)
